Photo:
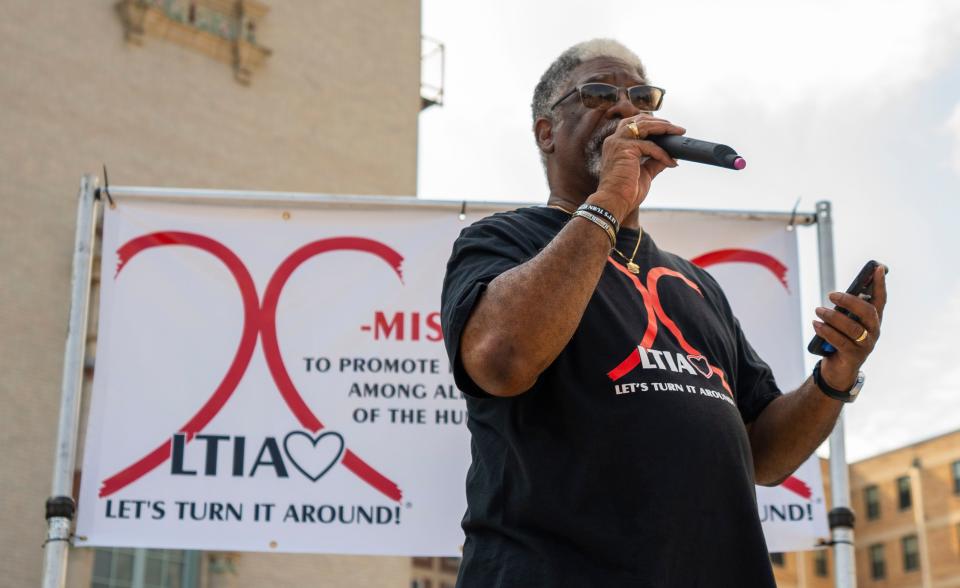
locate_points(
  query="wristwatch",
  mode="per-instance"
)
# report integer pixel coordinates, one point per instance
(845, 396)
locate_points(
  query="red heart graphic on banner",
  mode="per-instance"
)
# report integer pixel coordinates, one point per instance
(760, 258)
(271, 346)
(248, 341)
(257, 319)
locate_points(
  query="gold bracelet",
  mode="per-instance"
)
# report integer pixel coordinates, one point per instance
(600, 223)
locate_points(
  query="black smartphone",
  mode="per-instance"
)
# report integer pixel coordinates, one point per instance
(862, 286)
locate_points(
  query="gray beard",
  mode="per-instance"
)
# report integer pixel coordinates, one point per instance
(594, 148)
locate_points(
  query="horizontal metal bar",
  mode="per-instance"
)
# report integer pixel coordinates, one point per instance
(306, 199)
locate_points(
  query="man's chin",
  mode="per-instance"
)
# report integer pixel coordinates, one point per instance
(593, 169)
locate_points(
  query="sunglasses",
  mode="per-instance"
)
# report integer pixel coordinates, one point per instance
(599, 95)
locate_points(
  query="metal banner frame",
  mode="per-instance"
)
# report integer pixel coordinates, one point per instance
(61, 507)
(841, 517)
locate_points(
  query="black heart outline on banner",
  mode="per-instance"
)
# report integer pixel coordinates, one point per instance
(315, 442)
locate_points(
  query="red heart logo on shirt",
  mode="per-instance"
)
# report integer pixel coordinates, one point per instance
(703, 366)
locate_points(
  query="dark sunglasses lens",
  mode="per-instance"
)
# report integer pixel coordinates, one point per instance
(646, 97)
(598, 95)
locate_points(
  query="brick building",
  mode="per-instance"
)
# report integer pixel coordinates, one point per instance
(249, 94)
(907, 503)
(434, 572)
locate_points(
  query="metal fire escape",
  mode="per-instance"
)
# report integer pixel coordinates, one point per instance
(432, 65)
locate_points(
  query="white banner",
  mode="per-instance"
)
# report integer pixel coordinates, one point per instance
(273, 379)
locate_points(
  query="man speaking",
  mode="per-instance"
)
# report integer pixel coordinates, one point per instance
(560, 319)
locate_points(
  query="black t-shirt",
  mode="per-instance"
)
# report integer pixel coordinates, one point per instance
(627, 463)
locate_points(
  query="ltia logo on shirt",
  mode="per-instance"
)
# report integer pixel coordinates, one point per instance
(678, 363)
(653, 359)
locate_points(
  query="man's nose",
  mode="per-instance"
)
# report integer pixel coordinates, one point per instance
(623, 107)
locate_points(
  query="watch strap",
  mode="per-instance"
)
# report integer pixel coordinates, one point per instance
(842, 395)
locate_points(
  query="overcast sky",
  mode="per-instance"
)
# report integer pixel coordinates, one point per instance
(854, 101)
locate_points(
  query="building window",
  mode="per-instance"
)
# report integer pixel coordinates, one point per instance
(145, 568)
(911, 553)
(777, 559)
(878, 563)
(904, 500)
(955, 470)
(421, 583)
(450, 564)
(215, 27)
(820, 563)
(871, 496)
(423, 562)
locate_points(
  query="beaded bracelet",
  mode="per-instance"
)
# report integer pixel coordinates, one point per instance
(600, 223)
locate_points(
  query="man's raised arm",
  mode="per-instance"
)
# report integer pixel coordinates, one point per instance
(528, 314)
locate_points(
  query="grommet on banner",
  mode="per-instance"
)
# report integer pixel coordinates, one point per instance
(106, 188)
(463, 211)
(793, 216)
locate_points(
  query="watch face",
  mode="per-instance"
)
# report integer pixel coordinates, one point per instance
(861, 377)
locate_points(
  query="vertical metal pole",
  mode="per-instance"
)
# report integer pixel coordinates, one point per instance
(140, 567)
(60, 505)
(443, 70)
(841, 517)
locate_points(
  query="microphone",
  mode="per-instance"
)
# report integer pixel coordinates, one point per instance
(680, 147)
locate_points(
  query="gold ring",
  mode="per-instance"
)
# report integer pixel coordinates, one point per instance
(862, 337)
(634, 129)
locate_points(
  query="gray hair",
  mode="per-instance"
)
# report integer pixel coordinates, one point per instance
(557, 77)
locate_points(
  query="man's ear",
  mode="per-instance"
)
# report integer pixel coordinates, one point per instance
(543, 130)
